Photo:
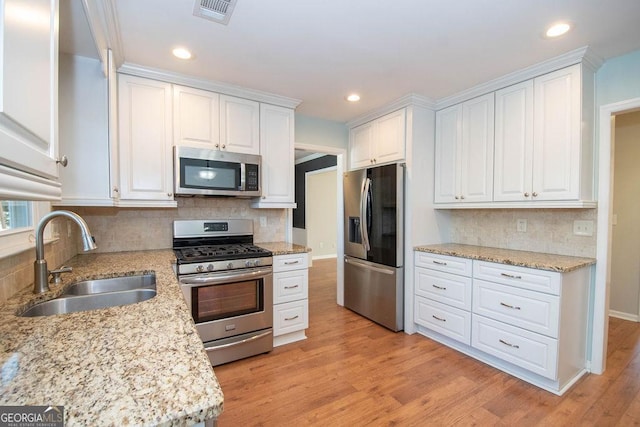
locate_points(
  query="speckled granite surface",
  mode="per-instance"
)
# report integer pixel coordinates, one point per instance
(284, 248)
(537, 260)
(140, 364)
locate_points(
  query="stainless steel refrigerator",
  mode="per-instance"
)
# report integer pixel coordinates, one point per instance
(373, 244)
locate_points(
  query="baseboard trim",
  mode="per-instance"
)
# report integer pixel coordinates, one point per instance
(624, 316)
(324, 256)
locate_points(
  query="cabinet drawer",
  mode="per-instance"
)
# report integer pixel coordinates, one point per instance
(290, 317)
(290, 262)
(290, 285)
(446, 288)
(534, 311)
(521, 277)
(448, 321)
(448, 264)
(528, 350)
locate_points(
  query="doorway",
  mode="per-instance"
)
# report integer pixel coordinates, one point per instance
(311, 151)
(602, 281)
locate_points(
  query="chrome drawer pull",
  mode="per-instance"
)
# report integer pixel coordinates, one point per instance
(511, 276)
(439, 262)
(291, 262)
(291, 318)
(513, 307)
(509, 344)
(442, 288)
(291, 287)
(437, 318)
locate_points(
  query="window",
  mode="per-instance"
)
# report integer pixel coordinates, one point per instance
(15, 215)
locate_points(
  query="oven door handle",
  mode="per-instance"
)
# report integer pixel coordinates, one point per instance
(203, 280)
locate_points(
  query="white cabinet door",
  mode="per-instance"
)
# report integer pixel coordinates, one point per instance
(514, 143)
(196, 117)
(146, 172)
(476, 155)
(277, 150)
(239, 125)
(448, 146)
(361, 146)
(29, 86)
(389, 137)
(557, 135)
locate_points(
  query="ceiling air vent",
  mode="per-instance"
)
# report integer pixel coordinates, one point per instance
(214, 10)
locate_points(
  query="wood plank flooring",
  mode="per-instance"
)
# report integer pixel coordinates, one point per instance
(352, 372)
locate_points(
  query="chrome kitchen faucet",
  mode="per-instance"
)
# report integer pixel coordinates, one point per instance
(41, 273)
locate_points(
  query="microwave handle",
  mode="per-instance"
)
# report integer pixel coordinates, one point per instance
(243, 176)
(216, 279)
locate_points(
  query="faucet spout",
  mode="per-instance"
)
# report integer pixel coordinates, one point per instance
(41, 273)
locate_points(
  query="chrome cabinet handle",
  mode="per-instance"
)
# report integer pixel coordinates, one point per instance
(217, 145)
(526, 194)
(63, 161)
(224, 146)
(509, 344)
(513, 307)
(439, 262)
(457, 198)
(510, 276)
(291, 287)
(291, 262)
(461, 197)
(535, 194)
(170, 194)
(438, 318)
(291, 318)
(442, 288)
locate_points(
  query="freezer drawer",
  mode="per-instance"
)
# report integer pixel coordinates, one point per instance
(375, 291)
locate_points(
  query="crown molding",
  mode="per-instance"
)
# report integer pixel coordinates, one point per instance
(210, 85)
(411, 99)
(103, 24)
(582, 55)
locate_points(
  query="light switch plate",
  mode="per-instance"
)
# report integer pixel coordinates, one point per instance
(521, 225)
(583, 228)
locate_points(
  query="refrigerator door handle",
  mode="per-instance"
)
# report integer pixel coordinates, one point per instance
(368, 266)
(364, 226)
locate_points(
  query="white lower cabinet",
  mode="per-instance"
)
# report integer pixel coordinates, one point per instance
(527, 322)
(290, 298)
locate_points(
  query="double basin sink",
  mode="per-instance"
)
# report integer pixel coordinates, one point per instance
(98, 293)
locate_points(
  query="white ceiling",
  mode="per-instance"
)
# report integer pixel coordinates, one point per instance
(321, 50)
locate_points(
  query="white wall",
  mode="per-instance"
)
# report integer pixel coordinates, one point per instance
(314, 131)
(625, 254)
(321, 207)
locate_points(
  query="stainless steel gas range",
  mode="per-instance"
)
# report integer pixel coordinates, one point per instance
(227, 283)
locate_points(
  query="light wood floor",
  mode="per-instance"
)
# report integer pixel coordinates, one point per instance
(352, 372)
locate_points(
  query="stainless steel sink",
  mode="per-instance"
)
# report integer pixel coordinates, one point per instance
(96, 294)
(113, 284)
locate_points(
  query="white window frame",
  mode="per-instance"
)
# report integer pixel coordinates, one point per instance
(22, 239)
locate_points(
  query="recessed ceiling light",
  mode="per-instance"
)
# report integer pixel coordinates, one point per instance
(354, 97)
(557, 29)
(181, 53)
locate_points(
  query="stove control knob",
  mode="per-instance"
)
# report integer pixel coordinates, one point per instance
(249, 263)
(210, 267)
(200, 268)
(230, 265)
(256, 263)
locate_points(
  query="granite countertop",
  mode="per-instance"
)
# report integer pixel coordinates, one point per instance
(541, 261)
(140, 364)
(284, 248)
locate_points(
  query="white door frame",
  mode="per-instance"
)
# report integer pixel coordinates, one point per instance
(306, 198)
(341, 154)
(603, 244)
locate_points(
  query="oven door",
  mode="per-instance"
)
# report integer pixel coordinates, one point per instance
(227, 304)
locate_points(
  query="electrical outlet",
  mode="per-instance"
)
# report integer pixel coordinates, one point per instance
(521, 225)
(583, 228)
(263, 221)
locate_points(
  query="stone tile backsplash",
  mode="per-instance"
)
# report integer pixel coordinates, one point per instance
(548, 230)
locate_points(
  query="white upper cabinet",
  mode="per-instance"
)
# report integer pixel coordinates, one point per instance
(196, 117)
(379, 141)
(514, 143)
(542, 153)
(278, 162)
(464, 152)
(239, 125)
(29, 93)
(145, 143)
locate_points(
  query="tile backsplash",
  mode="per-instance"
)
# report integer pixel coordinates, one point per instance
(548, 230)
(136, 229)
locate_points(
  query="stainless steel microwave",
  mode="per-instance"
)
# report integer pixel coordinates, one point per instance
(204, 172)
